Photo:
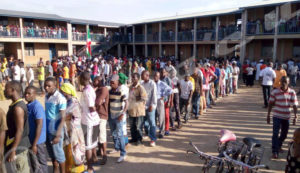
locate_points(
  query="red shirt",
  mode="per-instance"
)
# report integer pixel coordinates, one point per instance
(244, 67)
(54, 66)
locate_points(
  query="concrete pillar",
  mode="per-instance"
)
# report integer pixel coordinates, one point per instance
(125, 37)
(105, 32)
(119, 50)
(159, 40)
(217, 49)
(243, 42)
(145, 39)
(176, 39)
(22, 40)
(133, 41)
(70, 45)
(195, 38)
(275, 42)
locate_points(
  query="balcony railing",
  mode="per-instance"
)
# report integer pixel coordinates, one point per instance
(79, 36)
(97, 37)
(289, 27)
(152, 37)
(139, 38)
(258, 28)
(45, 33)
(167, 36)
(232, 32)
(10, 32)
(185, 36)
(206, 34)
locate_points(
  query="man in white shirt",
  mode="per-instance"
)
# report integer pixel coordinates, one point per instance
(30, 75)
(23, 79)
(185, 92)
(140, 69)
(258, 69)
(16, 72)
(106, 70)
(170, 69)
(268, 76)
(293, 75)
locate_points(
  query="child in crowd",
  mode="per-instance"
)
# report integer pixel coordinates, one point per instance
(293, 157)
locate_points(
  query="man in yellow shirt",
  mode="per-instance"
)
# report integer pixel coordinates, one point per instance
(280, 72)
(41, 76)
(149, 66)
(66, 73)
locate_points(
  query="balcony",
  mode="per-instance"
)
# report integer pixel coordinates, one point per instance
(167, 36)
(232, 32)
(205, 34)
(139, 38)
(79, 36)
(289, 27)
(258, 28)
(97, 37)
(45, 33)
(185, 36)
(10, 32)
(152, 37)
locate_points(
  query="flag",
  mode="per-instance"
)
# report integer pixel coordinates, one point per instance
(88, 44)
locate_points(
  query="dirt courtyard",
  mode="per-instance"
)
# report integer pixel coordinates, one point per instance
(242, 113)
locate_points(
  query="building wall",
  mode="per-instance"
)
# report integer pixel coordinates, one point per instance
(13, 49)
(13, 21)
(256, 13)
(226, 50)
(61, 49)
(227, 20)
(185, 51)
(203, 51)
(168, 50)
(155, 50)
(204, 22)
(81, 28)
(40, 51)
(186, 24)
(169, 26)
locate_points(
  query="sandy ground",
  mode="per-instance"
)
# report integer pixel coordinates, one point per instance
(242, 113)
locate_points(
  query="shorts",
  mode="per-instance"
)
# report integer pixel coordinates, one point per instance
(56, 151)
(20, 165)
(102, 134)
(90, 136)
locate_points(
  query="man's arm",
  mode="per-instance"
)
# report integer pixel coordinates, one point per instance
(19, 123)
(295, 114)
(39, 125)
(124, 110)
(60, 126)
(271, 104)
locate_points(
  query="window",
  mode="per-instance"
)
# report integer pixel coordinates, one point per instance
(29, 49)
(3, 21)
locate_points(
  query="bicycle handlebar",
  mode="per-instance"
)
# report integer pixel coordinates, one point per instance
(202, 154)
(244, 165)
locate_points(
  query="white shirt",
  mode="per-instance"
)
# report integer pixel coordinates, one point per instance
(17, 73)
(106, 69)
(257, 71)
(24, 74)
(268, 75)
(30, 75)
(294, 70)
(186, 87)
(140, 70)
(235, 70)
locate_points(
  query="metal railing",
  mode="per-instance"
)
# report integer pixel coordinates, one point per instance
(167, 36)
(152, 37)
(205, 34)
(12, 32)
(186, 36)
(78, 36)
(139, 38)
(260, 28)
(231, 32)
(97, 37)
(289, 27)
(45, 33)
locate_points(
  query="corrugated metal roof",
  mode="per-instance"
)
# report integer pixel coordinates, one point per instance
(46, 16)
(23, 14)
(94, 22)
(268, 3)
(192, 15)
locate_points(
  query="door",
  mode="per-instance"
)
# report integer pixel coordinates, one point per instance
(52, 51)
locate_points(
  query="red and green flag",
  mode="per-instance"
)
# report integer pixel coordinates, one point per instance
(88, 44)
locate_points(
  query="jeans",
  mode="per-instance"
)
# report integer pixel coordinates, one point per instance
(184, 104)
(136, 130)
(293, 80)
(160, 113)
(175, 111)
(283, 125)
(267, 92)
(42, 159)
(217, 89)
(41, 83)
(196, 103)
(116, 128)
(150, 125)
(207, 97)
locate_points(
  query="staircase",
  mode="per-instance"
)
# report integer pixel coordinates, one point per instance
(103, 46)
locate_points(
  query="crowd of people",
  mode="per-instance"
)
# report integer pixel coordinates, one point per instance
(149, 94)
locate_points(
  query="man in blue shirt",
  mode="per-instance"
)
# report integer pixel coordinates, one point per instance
(37, 128)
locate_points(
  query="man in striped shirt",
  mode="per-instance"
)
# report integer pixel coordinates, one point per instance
(281, 101)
